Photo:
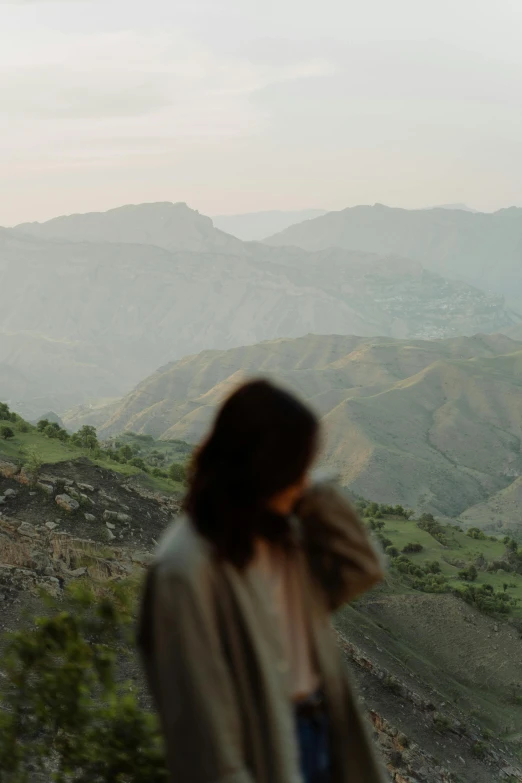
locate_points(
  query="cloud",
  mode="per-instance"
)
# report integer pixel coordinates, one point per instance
(83, 97)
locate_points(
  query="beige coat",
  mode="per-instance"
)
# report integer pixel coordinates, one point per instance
(214, 660)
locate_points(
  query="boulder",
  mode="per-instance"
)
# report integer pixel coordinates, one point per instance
(110, 535)
(47, 488)
(89, 517)
(74, 493)
(8, 469)
(67, 503)
(110, 526)
(10, 493)
(50, 525)
(121, 517)
(85, 487)
(107, 515)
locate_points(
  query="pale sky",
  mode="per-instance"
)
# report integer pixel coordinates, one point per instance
(245, 105)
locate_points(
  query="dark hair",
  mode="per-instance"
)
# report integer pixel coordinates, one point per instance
(262, 442)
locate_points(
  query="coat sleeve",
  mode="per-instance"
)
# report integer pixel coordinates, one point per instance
(190, 682)
(340, 553)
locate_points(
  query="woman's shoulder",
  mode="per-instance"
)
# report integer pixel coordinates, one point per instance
(182, 552)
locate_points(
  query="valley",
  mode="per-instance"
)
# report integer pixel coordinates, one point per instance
(99, 301)
(433, 425)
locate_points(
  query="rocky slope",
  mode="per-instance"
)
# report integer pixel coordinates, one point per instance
(92, 310)
(405, 676)
(482, 249)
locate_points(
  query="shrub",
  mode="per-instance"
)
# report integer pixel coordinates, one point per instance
(65, 706)
(178, 472)
(468, 574)
(138, 462)
(412, 548)
(392, 551)
(475, 532)
(6, 432)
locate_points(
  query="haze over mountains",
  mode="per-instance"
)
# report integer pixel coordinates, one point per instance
(482, 249)
(258, 225)
(99, 301)
(434, 425)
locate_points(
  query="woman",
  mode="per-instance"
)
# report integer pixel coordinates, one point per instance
(235, 628)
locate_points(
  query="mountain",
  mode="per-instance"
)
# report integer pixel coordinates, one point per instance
(482, 249)
(435, 425)
(87, 320)
(170, 226)
(257, 225)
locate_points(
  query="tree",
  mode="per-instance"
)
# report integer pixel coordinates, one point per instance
(178, 472)
(42, 425)
(126, 451)
(6, 432)
(5, 413)
(86, 437)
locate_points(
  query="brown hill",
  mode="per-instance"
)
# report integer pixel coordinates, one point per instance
(435, 425)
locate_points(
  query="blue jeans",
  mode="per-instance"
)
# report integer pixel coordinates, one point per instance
(312, 733)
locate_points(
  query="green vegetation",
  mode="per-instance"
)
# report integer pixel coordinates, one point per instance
(432, 557)
(65, 707)
(6, 432)
(48, 443)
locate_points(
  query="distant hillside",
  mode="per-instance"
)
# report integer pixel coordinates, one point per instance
(257, 225)
(435, 425)
(482, 249)
(87, 320)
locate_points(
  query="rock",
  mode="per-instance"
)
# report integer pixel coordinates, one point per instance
(74, 493)
(121, 517)
(85, 487)
(10, 493)
(110, 526)
(47, 488)
(85, 499)
(110, 535)
(50, 525)
(89, 517)
(8, 469)
(110, 515)
(28, 530)
(78, 572)
(67, 503)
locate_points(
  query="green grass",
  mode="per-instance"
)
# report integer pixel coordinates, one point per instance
(51, 451)
(461, 548)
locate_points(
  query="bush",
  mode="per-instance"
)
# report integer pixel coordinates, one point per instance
(392, 551)
(468, 574)
(475, 532)
(138, 462)
(65, 707)
(413, 548)
(6, 432)
(178, 472)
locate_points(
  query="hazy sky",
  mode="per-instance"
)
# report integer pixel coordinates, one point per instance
(242, 105)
